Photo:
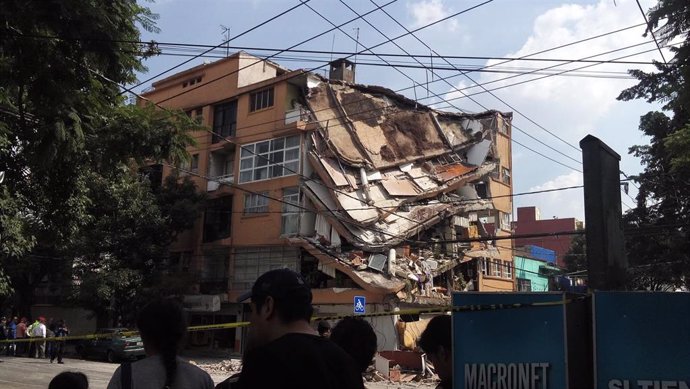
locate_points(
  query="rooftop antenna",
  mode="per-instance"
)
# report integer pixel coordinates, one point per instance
(226, 39)
(356, 43)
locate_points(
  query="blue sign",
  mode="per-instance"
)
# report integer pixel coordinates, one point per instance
(515, 347)
(360, 304)
(641, 340)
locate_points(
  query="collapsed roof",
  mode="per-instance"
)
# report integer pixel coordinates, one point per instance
(389, 168)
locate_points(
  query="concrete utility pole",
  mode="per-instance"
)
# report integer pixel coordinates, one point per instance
(606, 260)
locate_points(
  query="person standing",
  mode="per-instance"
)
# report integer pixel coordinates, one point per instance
(38, 331)
(61, 331)
(3, 333)
(283, 350)
(21, 334)
(162, 325)
(324, 328)
(11, 332)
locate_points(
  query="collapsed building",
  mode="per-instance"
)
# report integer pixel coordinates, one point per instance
(364, 191)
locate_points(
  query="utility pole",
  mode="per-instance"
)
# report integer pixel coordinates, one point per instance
(606, 260)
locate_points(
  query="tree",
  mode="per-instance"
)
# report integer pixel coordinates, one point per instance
(69, 144)
(576, 257)
(659, 255)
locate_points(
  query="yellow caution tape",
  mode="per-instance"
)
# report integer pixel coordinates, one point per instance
(223, 326)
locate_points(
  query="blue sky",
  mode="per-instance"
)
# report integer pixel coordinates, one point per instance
(570, 107)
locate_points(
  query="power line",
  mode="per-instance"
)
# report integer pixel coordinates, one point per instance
(551, 75)
(649, 28)
(301, 3)
(272, 55)
(472, 80)
(447, 82)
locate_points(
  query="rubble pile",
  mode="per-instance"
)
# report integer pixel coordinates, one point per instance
(230, 366)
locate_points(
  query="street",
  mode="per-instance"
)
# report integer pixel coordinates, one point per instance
(22, 372)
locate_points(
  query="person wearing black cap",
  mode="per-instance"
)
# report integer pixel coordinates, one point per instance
(283, 350)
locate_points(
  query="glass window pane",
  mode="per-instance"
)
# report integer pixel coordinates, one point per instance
(277, 144)
(247, 150)
(291, 154)
(246, 163)
(277, 171)
(261, 174)
(292, 168)
(262, 147)
(277, 157)
(246, 176)
(292, 141)
(261, 160)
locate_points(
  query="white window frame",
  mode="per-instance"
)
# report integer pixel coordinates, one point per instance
(267, 159)
(484, 264)
(291, 210)
(508, 269)
(256, 203)
(496, 268)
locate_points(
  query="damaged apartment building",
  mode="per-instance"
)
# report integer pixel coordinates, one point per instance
(363, 191)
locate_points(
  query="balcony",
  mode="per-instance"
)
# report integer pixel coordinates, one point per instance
(215, 182)
(297, 119)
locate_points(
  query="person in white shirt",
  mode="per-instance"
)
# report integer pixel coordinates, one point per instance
(39, 331)
(162, 325)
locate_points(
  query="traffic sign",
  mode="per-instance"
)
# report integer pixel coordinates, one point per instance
(360, 304)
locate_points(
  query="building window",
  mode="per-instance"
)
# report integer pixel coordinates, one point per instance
(194, 164)
(270, 159)
(290, 218)
(484, 264)
(508, 269)
(224, 121)
(505, 175)
(256, 203)
(261, 99)
(505, 221)
(524, 285)
(496, 267)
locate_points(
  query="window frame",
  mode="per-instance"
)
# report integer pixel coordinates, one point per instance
(291, 210)
(508, 269)
(255, 203)
(258, 163)
(262, 99)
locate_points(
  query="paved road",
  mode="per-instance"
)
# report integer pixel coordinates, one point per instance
(37, 373)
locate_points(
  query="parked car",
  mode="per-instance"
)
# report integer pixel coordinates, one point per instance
(112, 348)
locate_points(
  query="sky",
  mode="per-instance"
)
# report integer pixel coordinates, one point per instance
(550, 115)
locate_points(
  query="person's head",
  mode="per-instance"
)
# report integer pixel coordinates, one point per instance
(324, 328)
(14, 319)
(23, 320)
(357, 338)
(436, 343)
(162, 324)
(280, 299)
(41, 319)
(3, 320)
(69, 380)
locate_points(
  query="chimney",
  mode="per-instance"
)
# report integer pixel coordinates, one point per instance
(342, 70)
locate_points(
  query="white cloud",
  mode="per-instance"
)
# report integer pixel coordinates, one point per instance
(428, 11)
(562, 203)
(564, 104)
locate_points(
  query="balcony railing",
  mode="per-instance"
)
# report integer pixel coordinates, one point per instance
(215, 182)
(295, 115)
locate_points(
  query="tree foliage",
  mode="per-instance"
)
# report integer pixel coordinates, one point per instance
(659, 257)
(70, 147)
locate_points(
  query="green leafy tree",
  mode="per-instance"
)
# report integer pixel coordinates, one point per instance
(70, 147)
(659, 256)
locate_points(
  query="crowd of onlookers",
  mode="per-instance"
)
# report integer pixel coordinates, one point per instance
(283, 349)
(45, 343)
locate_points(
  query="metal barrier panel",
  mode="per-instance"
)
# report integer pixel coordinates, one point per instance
(641, 340)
